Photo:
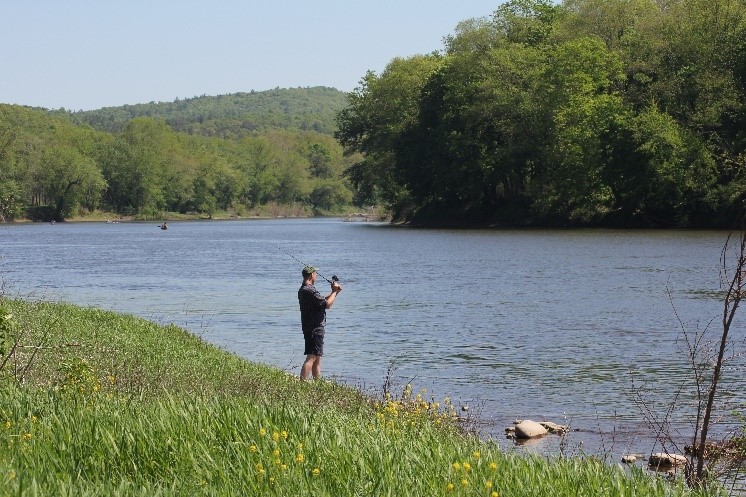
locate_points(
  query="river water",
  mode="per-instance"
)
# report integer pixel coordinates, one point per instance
(560, 325)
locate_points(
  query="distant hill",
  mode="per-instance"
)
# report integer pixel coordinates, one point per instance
(229, 116)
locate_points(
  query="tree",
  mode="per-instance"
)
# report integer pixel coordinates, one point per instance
(328, 195)
(135, 167)
(319, 159)
(10, 190)
(618, 23)
(733, 281)
(10, 200)
(659, 172)
(580, 93)
(528, 22)
(475, 144)
(379, 111)
(67, 179)
(711, 459)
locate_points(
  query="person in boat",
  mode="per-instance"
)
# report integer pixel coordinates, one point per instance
(313, 308)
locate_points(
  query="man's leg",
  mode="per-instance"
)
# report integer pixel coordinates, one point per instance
(317, 368)
(306, 369)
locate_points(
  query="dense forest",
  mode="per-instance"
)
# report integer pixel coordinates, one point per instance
(265, 153)
(579, 113)
(229, 116)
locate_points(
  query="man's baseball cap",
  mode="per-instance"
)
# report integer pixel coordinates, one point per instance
(308, 270)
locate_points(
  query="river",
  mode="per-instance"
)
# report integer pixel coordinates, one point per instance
(560, 325)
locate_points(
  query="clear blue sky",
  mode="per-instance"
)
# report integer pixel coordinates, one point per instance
(87, 54)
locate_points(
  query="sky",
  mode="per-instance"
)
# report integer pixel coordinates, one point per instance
(89, 54)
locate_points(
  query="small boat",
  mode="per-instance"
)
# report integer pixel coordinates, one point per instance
(163, 226)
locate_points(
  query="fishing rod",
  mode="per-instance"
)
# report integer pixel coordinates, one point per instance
(334, 276)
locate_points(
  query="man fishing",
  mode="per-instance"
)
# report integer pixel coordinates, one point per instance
(313, 308)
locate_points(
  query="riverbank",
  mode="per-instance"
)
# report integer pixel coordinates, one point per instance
(99, 403)
(268, 211)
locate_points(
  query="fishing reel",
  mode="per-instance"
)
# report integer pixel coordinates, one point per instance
(333, 280)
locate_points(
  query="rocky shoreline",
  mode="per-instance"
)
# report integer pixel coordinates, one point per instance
(527, 429)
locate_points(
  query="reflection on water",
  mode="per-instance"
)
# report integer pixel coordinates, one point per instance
(537, 324)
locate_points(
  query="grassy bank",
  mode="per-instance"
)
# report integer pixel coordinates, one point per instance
(97, 403)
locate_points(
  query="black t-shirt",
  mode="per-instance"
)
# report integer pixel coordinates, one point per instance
(312, 309)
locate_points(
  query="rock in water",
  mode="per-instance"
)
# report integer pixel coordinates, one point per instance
(554, 427)
(663, 460)
(529, 429)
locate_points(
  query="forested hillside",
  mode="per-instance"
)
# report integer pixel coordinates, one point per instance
(579, 113)
(229, 116)
(256, 153)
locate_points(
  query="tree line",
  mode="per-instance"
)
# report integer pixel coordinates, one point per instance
(581, 113)
(53, 166)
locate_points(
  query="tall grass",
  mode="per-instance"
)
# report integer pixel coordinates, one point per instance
(114, 405)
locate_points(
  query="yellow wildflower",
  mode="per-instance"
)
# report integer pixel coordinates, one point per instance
(493, 465)
(456, 466)
(450, 487)
(316, 471)
(476, 455)
(253, 448)
(300, 458)
(262, 432)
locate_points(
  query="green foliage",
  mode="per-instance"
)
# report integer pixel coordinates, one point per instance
(228, 116)
(379, 112)
(47, 164)
(147, 167)
(10, 201)
(527, 22)
(589, 112)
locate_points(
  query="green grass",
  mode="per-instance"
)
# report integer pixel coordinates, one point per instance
(97, 403)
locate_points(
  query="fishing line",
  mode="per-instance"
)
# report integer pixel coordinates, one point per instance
(334, 276)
